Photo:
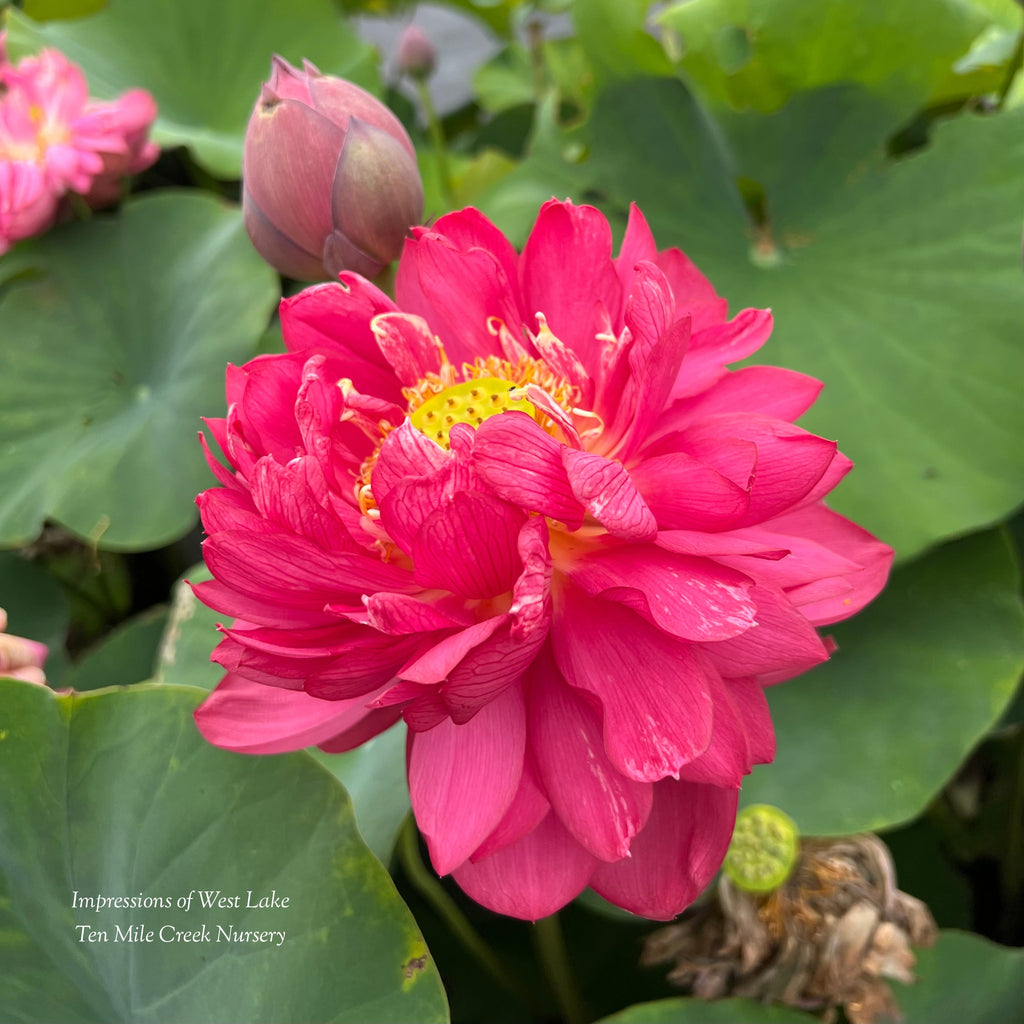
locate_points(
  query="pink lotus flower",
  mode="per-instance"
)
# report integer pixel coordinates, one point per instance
(28, 206)
(53, 139)
(416, 55)
(21, 658)
(528, 510)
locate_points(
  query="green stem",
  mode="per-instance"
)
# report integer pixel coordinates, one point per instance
(554, 960)
(79, 207)
(428, 886)
(437, 142)
(538, 66)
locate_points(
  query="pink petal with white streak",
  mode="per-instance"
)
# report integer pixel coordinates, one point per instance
(782, 641)
(408, 344)
(727, 758)
(691, 598)
(602, 808)
(522, 463)
(654, 693)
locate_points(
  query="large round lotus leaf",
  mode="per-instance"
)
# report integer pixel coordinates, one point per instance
(896, 282)
(867, 740)
(31, 988)
(964, 979)
(203, 62)
(114, 794)
(47, 10)
(115, 338)
(701, 1011)
(757, 53)
(616, 39)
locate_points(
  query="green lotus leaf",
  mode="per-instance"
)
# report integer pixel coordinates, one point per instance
(700, 1011)
(202, 62)
(758, 53)
(896, 282)
(116, 334)
(867, 740)
(115, 795)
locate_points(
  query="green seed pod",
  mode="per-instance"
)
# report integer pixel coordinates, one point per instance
(764, 849)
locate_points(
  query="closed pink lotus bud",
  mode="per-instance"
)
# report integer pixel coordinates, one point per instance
(416, 54)
(329, 177)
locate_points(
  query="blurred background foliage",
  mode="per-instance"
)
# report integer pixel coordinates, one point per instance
(851, 164)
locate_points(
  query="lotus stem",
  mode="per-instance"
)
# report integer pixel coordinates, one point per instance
(428, 886)
(554, 959)
(437, 142)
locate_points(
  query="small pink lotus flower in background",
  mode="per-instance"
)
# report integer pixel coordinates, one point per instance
(527, 509)
(329, 176)
(54, 140)
(28, 205)
(21, 658)
(127, 118)
(416, 56)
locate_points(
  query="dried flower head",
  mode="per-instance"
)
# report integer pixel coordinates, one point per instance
(828, 937)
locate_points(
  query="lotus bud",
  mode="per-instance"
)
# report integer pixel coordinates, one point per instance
(329, 176)
(417, 57)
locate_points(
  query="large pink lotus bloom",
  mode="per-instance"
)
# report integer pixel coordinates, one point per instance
(527, 509)
(54, 139)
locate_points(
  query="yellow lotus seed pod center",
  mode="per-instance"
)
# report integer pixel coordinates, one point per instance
(472, 402)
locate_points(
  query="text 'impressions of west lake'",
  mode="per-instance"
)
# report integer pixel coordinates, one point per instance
(128, 928)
